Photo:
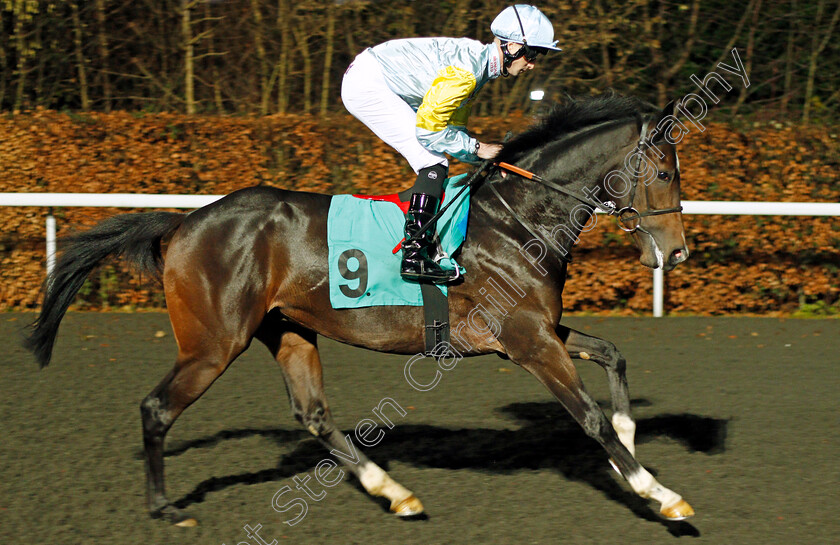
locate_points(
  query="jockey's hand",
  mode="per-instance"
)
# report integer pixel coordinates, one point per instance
(488, 151)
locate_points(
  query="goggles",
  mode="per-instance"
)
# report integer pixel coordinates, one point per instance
(530, 53)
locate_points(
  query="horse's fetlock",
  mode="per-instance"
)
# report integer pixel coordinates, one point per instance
(156, 505)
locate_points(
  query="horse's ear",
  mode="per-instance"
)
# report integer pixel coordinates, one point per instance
(667, 110)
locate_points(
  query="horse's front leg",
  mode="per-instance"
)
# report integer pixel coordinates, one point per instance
(604, 353)
(551, 363)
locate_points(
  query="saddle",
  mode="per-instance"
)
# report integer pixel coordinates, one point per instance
(364, 236)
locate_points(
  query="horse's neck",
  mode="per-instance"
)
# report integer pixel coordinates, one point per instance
(579, 166)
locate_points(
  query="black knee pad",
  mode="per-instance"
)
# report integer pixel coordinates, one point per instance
(430, 181)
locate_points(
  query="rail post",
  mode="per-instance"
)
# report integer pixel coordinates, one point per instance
(658, 292)
(50, 242)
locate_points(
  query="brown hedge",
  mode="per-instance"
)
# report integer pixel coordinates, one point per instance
(738, 265)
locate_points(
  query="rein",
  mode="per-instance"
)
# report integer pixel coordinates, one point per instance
(531, 176)
(610, 209)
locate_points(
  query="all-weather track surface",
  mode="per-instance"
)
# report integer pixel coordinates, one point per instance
(738, 415)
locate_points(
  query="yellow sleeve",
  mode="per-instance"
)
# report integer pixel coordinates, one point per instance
(449, 89)
(461, 115)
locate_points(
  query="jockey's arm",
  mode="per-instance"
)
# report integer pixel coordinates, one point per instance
(442, 116)
(459, 121)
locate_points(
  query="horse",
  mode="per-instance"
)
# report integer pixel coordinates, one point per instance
(253, 265)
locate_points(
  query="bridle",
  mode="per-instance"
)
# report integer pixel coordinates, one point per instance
(611, 208)
(630, 207)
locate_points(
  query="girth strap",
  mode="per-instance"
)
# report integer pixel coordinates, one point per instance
(435, 316)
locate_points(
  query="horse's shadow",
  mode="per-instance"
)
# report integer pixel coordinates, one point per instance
(548, 438)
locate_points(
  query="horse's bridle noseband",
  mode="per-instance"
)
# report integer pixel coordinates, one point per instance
(611, 208)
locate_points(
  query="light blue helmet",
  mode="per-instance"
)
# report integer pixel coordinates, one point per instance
(513, 21)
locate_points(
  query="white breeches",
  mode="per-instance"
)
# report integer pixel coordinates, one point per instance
(367, 96)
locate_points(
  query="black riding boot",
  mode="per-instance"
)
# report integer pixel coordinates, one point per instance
(417, 263)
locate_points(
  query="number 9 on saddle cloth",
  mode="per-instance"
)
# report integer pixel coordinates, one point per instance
(362, 233)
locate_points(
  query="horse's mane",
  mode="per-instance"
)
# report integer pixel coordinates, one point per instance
(572, 115)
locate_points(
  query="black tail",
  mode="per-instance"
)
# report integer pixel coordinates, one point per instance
(135, 237)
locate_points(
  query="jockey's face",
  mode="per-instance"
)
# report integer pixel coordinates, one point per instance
(519, 65)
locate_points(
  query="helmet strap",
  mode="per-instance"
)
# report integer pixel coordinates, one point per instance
(507, 58)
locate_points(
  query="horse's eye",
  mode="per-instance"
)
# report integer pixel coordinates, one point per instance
(664, 176)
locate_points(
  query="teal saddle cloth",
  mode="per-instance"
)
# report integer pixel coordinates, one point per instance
(362, 234)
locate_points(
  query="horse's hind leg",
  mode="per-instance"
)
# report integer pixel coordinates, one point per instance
(605, 354)
(297, 353)
(206, 347)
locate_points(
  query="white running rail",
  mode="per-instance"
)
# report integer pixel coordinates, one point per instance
(135, 200)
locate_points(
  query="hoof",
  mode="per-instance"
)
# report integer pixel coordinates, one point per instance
(188, 522)
(677, 511)
(175, 516)
(408, 507)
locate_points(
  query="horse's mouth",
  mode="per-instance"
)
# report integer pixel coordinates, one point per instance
(675, 258)
(659, 261)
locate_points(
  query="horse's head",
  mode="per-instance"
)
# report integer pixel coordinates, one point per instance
(615, 147)
(651, 209)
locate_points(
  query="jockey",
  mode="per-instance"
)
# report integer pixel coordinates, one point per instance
(416, 95)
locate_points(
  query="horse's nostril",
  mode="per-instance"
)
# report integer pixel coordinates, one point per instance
(678, 256)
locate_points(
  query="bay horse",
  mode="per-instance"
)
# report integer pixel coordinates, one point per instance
(254, 265)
